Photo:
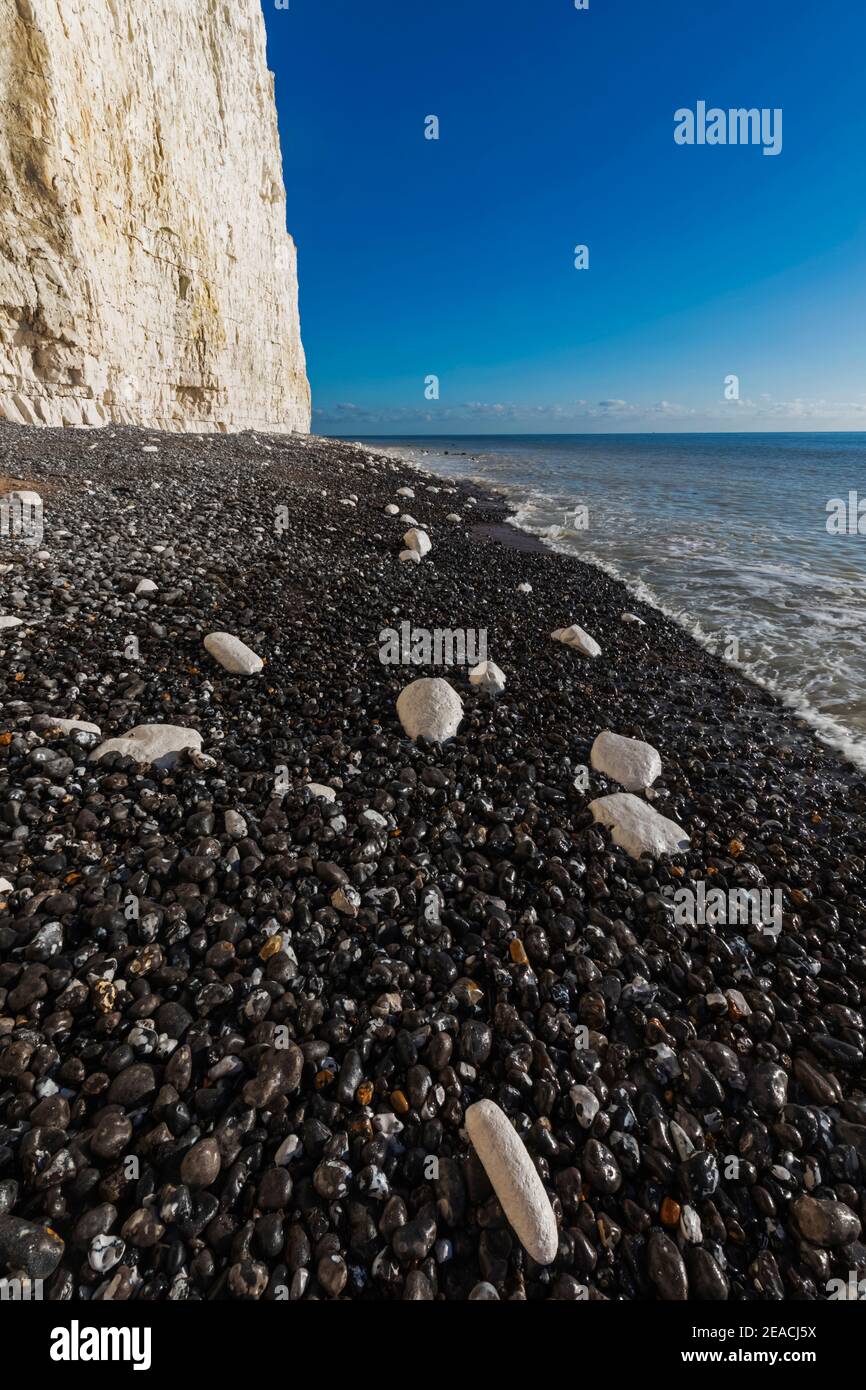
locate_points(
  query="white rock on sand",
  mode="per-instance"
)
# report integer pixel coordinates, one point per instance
(452, 516)
(408, 520)
(430, 708)
(410, 557)
(418, 540)
(514, 1179)
(145, 586)
(391, 510)
(158, 744)
(525, 589)
(629, 761)
(405, 492)
(637, 828)
(577, 639)
(488, 676)
(631, 618)
(233, 654)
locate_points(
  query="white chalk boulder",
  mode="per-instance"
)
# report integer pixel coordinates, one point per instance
(629, 761)
(488, 676)
(430, 708)
(637, 828)
(233, 654)
(577, 639)
(159, 744)
(418, 540)
(514, 1179)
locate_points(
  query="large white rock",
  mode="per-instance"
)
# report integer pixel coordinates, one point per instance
(158, 744)
(147, 276)
(430, 708)
(514, 1179)
(9, 621)
(391, 510)
(577, 639)
(629, 761)
(637, 828)
(419, 541)
(488, 676)
(233, 654)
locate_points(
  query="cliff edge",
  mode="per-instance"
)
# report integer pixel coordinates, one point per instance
(146, 274)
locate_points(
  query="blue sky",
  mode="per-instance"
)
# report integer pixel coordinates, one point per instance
(455, 258)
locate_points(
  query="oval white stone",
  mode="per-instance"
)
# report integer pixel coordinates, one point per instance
(159, 744)
(409, 557)
(233, 654)
(637, 828)
(430, 708)
(418, 540)
(629, 761)
(514, 1180)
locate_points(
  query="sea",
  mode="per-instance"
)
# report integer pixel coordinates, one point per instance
(749, 541)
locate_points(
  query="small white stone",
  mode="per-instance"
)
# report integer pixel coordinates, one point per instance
(408, 520)
(373, 819)
(6, 886)
(9, 621)
(405, 492)
(430, 708)
(418, 540)
(452, 516)
(514, 1179)
(150, 448)
(638, 828)
(323, 793)
(105, 1252)
(629, 761)
(391, 510)
(409, 557)
(524, 588)
(158, 744)
(145, 586)
(487, 676)
(577, 639)
(690, 1226)
(631, 618)
(233, 654)
(43, 554)
(75, 726)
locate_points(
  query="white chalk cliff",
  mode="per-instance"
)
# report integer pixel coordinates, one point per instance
(146, 274)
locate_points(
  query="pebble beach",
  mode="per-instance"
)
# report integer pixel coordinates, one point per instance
(306, 996)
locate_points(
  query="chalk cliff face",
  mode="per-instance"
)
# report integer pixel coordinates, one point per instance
(146, 275)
